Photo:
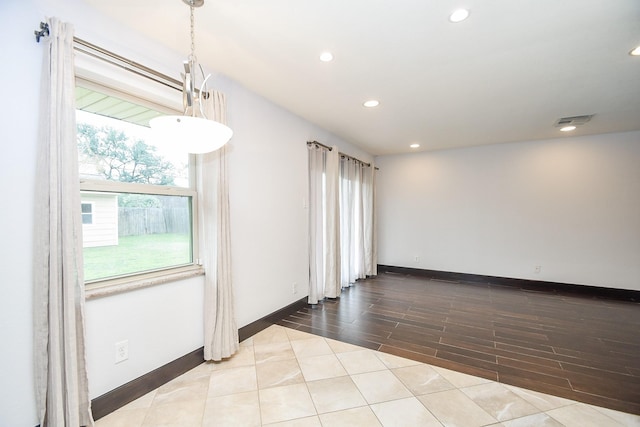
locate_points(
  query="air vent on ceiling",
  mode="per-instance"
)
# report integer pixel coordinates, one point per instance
(573, 121)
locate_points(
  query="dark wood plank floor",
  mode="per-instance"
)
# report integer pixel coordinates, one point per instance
(580, 347)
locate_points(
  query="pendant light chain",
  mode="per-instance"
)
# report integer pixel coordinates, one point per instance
(192, 57)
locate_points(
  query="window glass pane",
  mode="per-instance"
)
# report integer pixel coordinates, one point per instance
(86, 208)
(118, 150)
(135, 233)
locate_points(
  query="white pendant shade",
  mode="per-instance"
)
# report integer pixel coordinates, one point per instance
(191, 134)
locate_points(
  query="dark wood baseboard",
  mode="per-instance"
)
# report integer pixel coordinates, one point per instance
(535, 285)
(254, 327)
(117, 398)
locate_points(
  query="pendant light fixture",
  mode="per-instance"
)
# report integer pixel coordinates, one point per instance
(193, 132)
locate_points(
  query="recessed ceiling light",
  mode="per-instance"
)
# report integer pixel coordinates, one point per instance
(415, 146)
(635, 52)
(326, 57)
(567, 129)
(371, 103)
(459, 15)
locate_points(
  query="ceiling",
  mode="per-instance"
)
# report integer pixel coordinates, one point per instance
(505, 74)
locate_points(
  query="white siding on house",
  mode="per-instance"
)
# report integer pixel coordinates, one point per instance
(103, 231)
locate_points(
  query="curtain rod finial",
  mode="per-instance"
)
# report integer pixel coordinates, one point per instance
(42, 32)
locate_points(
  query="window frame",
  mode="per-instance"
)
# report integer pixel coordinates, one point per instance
(120, 283)
(90, 213)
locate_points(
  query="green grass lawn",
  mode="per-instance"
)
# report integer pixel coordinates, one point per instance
(135, 254)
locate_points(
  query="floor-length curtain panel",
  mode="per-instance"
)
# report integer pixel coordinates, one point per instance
(220, 327)
(316, 224)
(346, 214)
(359, 271)
(324, 225)
(332, 224)
(62, 391)
(374, 221)
(369, 218)
(351, 222)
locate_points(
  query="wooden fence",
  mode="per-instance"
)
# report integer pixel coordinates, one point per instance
(137, 221)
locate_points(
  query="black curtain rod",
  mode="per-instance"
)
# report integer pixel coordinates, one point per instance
(114, 59)
(341, 154)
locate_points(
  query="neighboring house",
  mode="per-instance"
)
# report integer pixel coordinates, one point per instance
(99, 219)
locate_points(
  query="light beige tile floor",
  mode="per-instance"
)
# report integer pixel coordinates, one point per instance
(282, 377)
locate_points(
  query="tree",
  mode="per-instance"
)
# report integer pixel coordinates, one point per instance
(117, 157)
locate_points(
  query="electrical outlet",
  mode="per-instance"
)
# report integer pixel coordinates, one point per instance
(417, 258)
(537, 269)
(122, 351)
(294, 288)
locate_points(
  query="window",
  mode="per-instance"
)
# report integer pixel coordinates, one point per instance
(87, 213)
(137, 196)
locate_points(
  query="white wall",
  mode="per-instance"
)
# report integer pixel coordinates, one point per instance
(160, 324)
(268, 168)
(570, 205)
(269, 231)
(20, 59)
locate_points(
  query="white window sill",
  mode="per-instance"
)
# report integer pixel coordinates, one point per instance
(118, 286)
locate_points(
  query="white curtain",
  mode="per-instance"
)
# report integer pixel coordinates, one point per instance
(369, 217)
(324, 224)
(220, 328)
(352, 222)
(62, 391)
